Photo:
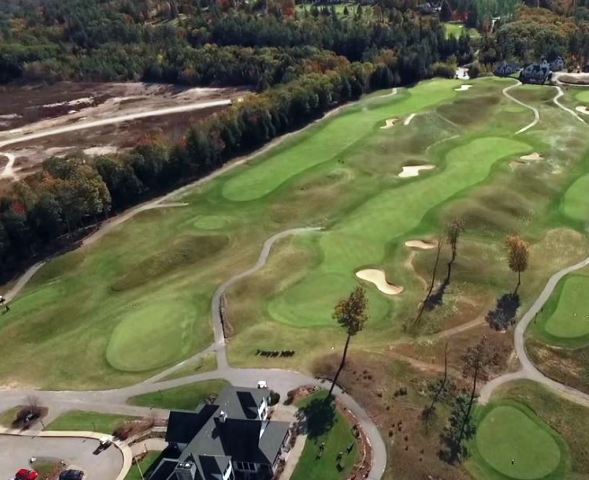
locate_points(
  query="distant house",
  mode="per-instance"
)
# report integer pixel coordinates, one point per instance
(538, 73)
(231, 439)
(557, 65)
(429, 8)
(506, 69)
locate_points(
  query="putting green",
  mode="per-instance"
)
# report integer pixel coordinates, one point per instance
(332, 139)
(361, 238)
(570, 319)
(517, 444)
(152, 327)
(575, 203)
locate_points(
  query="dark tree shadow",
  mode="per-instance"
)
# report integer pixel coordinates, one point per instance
(320, 417)
(436, 299)
(503, 316)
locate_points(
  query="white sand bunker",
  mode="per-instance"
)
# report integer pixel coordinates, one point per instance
(103, 150)
(463, 88)
(532, 157)
(420, 244)
(390, 123)
(413, 170)
(583, 109)
(408, 119)
(378, 278)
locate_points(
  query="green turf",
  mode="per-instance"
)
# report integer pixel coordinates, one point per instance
(137, 472)
(211, 222)
(331, 139)
(329, 426)
(205, 364)
(152, 327)
(582, 96)
(576, 201)
(517, 445)
(571, 317)
(8, 416)
(187, 397)
(88, 422)
(361, 239)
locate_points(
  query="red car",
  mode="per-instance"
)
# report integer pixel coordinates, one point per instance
(24, 474)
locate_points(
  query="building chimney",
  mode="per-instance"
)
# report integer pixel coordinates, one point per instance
(222, 416)
(185, 471)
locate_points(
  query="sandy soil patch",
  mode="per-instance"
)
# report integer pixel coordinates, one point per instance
(390, 123)
(463, 88)
(532, 157)
(413, 170)
(421, 244)
(583, 109)
(102, 150)
(378, 278)
(408, 119)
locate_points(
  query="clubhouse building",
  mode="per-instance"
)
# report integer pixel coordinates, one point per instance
(230, 439)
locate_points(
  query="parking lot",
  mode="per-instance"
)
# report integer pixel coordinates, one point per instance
(15, 452)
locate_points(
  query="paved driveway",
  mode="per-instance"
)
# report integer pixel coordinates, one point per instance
(15, 453)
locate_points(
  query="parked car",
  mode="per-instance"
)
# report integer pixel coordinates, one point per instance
(71, 475)
(26, 474)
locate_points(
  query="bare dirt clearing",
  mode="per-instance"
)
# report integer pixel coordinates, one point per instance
(39, 122)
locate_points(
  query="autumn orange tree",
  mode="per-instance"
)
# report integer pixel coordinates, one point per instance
(351, 314)
(518, 256)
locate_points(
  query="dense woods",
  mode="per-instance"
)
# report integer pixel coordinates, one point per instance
(302, 63)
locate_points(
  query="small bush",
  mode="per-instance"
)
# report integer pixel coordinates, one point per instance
(274, 397)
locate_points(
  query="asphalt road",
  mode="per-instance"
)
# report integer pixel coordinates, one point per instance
(15, 452)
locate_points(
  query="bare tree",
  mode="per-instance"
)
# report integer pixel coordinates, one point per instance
(453, 231)
(440, 390)
(431, 284)
(476, 363)
(350, 313)
(518, 256)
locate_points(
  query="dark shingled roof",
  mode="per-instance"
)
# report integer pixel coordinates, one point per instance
(213, 442)
(243, 403)
(183, 425)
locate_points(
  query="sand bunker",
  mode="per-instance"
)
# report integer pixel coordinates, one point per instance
(408, 119)
(413, 171)
(103, 150)
(532, 157)
(583, 109)
(420, 244)
(391, 122)
(463, 88)
(378, 278)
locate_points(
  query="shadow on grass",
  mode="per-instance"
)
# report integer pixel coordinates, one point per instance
(503, 315)
(320, 417)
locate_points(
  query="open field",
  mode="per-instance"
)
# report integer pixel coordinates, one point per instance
(180, 398)
(136, 473)
(31, 111)
(138, 300)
